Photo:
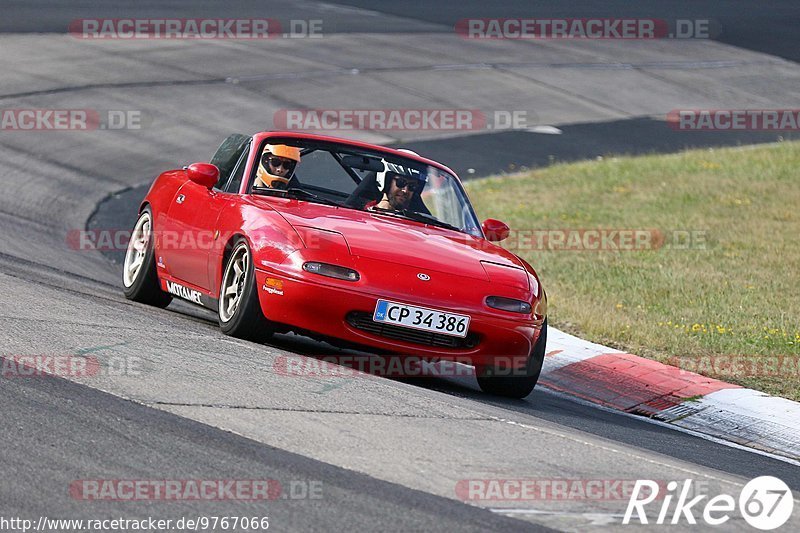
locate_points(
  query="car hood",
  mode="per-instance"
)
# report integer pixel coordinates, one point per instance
(402, 241)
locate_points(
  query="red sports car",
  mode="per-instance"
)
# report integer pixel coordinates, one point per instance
(354, 243)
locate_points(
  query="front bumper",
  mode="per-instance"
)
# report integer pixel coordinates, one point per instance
(327, 308)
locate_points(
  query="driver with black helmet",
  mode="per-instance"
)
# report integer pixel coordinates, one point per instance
(398, 184)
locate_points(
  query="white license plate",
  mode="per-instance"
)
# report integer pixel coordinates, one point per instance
(422, 318)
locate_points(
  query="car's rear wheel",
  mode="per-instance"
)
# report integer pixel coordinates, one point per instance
(139, 277)
(239, 309)
(493, 381)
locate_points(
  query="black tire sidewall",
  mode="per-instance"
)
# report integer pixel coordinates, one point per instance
(248, 321)
(518, 386)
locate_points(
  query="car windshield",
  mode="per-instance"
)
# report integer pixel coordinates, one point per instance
(389, 185)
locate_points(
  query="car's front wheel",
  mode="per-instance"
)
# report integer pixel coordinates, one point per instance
(139, 278)
(239, 310)
(493, 381)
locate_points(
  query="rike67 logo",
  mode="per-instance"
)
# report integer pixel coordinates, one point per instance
(765, 503)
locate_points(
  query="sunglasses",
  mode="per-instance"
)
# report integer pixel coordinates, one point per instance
(279, 162)
(402, 183)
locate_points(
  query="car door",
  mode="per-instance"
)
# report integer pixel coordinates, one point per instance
(190, 232)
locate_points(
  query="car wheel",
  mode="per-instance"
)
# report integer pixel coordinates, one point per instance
(516, 386)
(139, 277)
(239, 310)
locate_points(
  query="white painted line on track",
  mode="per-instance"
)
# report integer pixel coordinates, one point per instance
(596, 519)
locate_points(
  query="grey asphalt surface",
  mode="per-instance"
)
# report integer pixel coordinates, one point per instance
(389, 453)
(769, 28)
(58, 432)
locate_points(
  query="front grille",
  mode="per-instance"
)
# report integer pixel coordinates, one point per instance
(363, 321)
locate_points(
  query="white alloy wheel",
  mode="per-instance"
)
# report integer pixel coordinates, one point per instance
(233, 282)
(137, 248)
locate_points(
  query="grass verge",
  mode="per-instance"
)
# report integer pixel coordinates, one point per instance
(714, 282)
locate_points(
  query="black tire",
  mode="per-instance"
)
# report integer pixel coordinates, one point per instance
(516, 386)
(143, 286)
(246, 321)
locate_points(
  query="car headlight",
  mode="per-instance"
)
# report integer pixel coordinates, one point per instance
(331, 271)
(508, 304)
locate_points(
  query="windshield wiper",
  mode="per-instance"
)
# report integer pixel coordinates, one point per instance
(297, 193)
(427, 219)
(419, 217)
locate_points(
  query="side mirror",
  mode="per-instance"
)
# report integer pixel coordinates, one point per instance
(204, 174)
(495, 230)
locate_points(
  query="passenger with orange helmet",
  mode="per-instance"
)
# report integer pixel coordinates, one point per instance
(276, 166)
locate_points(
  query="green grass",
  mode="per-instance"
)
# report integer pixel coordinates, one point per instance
(733, 298)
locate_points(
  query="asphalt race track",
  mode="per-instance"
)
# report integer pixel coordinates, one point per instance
(186, 402)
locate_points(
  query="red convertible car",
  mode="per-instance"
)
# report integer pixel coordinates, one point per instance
(353, 243)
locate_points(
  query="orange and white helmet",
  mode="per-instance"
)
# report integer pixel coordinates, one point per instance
(264, 177)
